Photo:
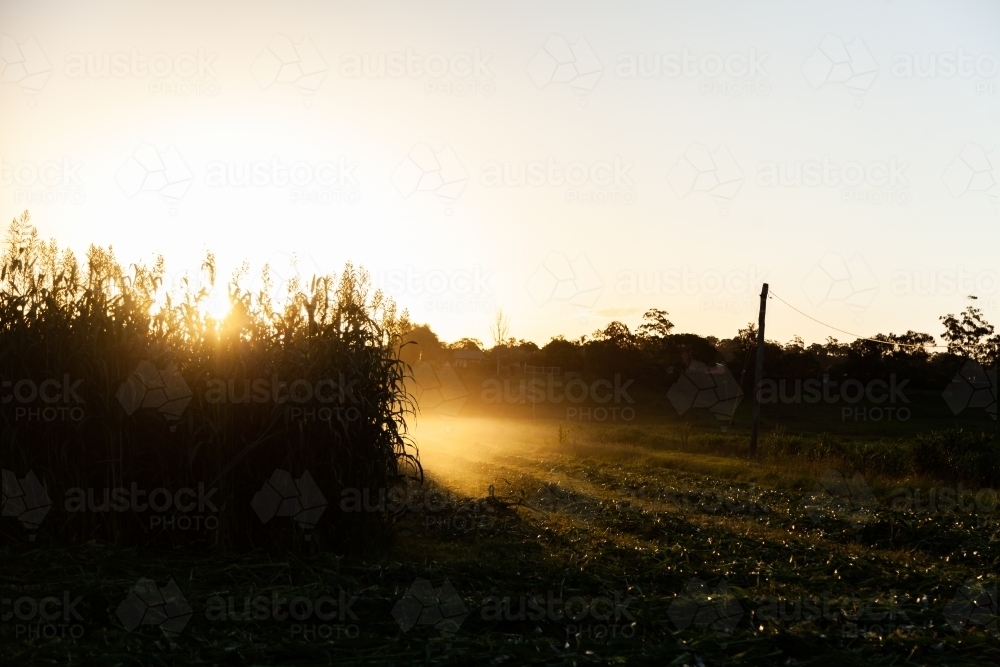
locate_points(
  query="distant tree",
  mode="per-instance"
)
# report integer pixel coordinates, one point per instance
(738, 348)
(422, 344)
(655, 324)
(466, 344)
(682, 349)
(565, 354)
(910, 344)
(829, 353)
(500, 329)
(617, 334)
(970, 335)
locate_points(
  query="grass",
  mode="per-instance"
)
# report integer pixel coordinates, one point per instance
(567, 520)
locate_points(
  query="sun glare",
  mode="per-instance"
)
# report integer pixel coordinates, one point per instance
(217, 305)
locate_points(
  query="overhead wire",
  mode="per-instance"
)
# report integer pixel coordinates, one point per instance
(849, 333)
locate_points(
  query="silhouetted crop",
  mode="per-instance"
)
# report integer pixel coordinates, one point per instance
(114, 385)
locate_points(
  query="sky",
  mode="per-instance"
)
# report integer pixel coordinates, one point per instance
(571, 163)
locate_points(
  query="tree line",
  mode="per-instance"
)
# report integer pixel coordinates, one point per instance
(653, 354)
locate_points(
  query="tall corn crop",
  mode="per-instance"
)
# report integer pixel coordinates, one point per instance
(132, 416)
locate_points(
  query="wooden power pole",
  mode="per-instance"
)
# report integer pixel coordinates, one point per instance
(759, 375)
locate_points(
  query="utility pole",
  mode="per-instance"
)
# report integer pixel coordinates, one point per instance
(759, 376)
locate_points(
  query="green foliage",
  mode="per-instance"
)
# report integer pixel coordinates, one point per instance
(966, 455)
(971, 335)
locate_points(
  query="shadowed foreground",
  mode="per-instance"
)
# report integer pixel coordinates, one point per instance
(535, 545)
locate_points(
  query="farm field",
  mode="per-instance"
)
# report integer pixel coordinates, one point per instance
(499, 334)
(538, 542)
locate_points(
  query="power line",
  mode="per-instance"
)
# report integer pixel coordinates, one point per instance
(858, 336)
